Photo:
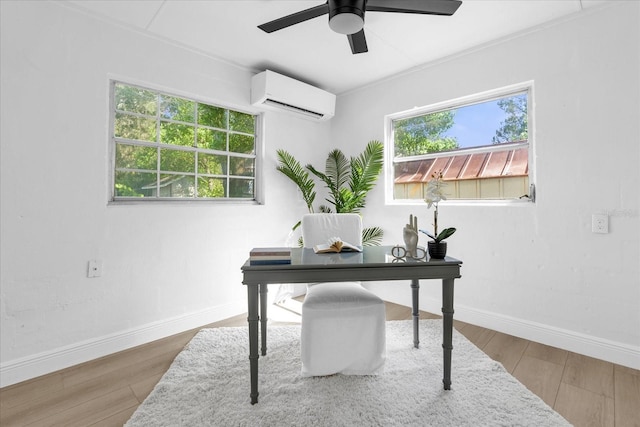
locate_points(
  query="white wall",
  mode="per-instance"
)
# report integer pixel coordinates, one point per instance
(538, 271)
(166, 268)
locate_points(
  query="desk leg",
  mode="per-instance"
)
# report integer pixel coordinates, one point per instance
(415, 288)
(447, 318)
(253, 339)
(263, 317)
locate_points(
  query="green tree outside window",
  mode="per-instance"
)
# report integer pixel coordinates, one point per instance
(168, 146)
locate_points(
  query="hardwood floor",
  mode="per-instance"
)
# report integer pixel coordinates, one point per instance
(106, 391)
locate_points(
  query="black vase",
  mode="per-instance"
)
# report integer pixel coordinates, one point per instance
(437, 250)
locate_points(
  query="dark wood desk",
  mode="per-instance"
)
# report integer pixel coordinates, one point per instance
(375, 263)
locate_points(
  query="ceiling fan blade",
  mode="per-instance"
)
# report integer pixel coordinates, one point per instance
(427, 7)
(358, 42)
(295, 18)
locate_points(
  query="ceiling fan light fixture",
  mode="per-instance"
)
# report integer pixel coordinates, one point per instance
(346, 17)
(346, 23)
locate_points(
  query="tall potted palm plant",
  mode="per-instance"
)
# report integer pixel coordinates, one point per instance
(348, 180)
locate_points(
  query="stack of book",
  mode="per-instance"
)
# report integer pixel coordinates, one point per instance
(264, 256)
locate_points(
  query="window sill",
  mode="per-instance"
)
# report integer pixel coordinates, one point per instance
(180, 202)
(524, 202)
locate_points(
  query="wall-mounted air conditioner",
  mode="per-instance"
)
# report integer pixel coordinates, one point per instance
(277, 92)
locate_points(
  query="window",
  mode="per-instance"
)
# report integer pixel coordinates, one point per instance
(166, 147)
(480, 144)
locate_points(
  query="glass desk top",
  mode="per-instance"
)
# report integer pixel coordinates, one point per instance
(371, 256)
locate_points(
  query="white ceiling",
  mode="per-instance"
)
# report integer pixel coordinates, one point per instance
(310, 51)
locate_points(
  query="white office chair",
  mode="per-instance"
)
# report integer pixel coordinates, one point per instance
(343, 324)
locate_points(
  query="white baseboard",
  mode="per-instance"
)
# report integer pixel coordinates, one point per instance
(599, 348)
(29, 367)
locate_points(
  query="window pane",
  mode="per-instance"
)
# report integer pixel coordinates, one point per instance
(241, 144)
(212, 139)
(176, 134)
(177, 109)
(134, 184)
(514, 124)
(134, 127)
(209, 115)
(212, 187)
(136, 157)
(481, 149)
(212, 164)
(163, 143)
(424, 134)
(177, 186)
(482, 124)
(176, 160)
(241, 166)
(241, 188)
(241, 122)
(135, 100)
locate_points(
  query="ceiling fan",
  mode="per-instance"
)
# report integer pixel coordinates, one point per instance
(347, 16)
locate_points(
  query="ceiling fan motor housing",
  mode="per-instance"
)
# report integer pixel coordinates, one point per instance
(346, 16)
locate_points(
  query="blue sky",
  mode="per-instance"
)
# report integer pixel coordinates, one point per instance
(476, 124)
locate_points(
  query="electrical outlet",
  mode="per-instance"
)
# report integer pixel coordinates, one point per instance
(94, 268)
(600, 223)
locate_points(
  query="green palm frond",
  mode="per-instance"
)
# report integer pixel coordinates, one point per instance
(364, 173)
(291, 168)
(348, 202)
(372, 236)
(335, 177)
(366, 168)
(333, 192)
(337, 167)
(326, 179)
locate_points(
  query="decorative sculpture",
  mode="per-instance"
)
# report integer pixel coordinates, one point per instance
(410, 236)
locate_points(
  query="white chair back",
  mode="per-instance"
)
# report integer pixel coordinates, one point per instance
(318, 228)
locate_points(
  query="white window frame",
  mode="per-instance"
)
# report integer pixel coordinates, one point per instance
(389, 152)
(257, 156)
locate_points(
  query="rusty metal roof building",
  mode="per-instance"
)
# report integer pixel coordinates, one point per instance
(477, 165)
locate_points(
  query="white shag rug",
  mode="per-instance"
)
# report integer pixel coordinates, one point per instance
(208, 385)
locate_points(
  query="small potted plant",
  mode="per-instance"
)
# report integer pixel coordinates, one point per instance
(435, 193)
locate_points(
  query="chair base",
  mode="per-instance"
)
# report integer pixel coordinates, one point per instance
(343, 330)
